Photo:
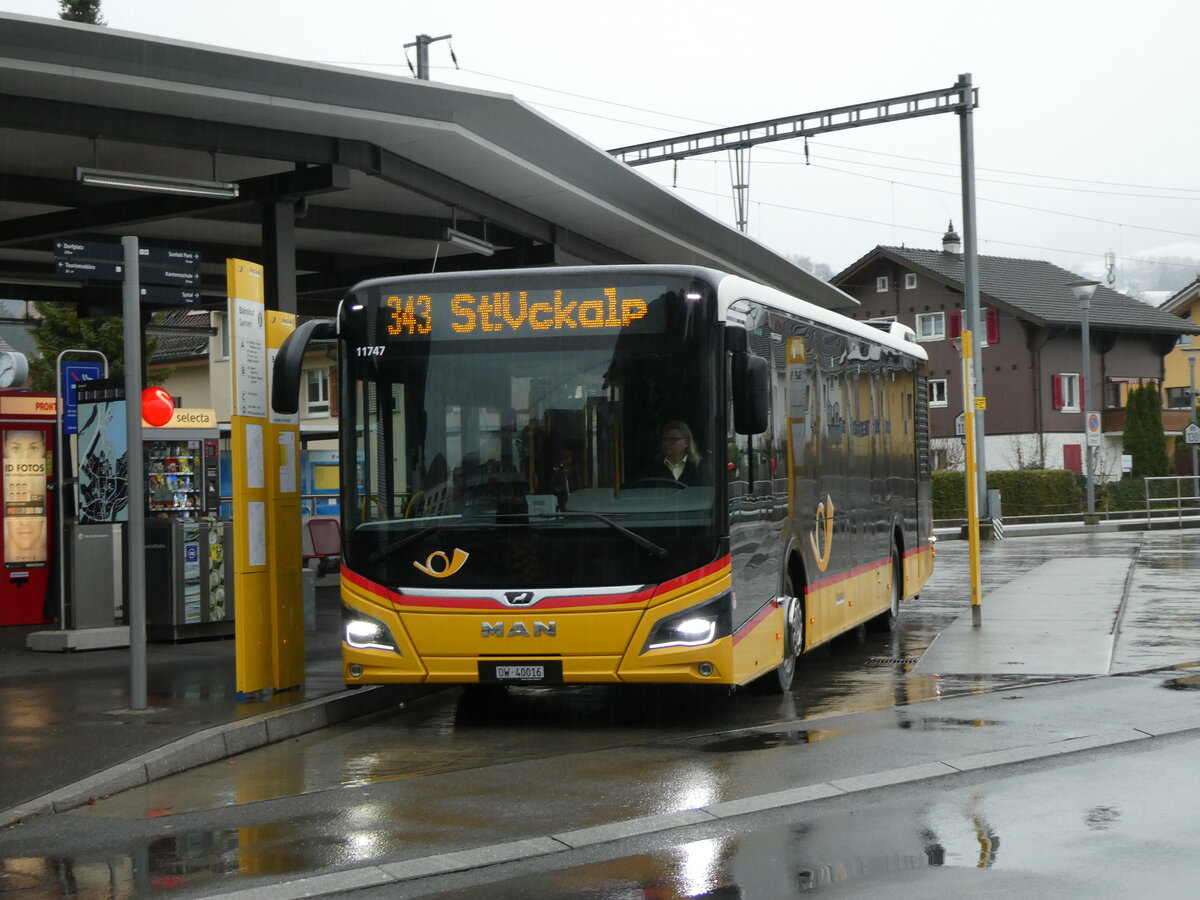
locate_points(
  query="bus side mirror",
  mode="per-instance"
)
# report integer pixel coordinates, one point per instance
(289, 364)
(751, 394)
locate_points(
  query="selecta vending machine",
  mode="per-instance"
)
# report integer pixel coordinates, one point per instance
(27, 426)
(187, 543)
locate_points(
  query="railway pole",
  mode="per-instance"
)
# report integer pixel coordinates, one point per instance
(969, 402)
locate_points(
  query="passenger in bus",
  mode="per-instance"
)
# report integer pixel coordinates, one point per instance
(679, 459)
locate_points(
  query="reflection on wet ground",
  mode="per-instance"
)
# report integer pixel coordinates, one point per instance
(584, 742)
(1100, 828)
(1191, 683)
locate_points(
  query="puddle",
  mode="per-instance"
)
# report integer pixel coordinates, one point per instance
(188, 859)
(943, 723)
(1191, 683)
(770, 740)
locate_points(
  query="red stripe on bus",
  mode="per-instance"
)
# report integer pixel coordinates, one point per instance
(753, 622)
(845, 576)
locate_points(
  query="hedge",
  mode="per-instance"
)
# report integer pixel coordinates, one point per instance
(1024, 492)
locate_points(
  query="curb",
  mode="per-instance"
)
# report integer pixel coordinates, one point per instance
(216, 743)
(378, 875)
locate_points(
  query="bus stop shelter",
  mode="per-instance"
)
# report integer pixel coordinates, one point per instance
(340, 174)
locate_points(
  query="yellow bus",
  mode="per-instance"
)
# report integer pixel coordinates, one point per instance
(617, 474)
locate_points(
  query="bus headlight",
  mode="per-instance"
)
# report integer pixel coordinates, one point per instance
(363, 632)
(693, 627)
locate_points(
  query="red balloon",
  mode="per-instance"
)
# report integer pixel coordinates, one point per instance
(157, 406)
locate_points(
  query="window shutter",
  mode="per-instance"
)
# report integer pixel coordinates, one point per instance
(993, 326)
(954, 324)
(1056, 390)
(1072, 458)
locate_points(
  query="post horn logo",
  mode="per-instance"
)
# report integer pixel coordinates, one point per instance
(438, 565)
(824, 522)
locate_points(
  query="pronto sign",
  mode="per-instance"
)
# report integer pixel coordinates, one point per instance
(21, 405)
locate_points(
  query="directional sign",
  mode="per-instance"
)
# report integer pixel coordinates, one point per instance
(165, 295)
(164, 256)
(85, 269)
(96, 251)
(101, 261)
(1191, 434)
(168, 274)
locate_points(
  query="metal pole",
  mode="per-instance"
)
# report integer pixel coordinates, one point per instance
(971, 284)
(1084, 399)
(968, 375)
(422, 44)
(1192, 398)
(423, 56)
(135, 554)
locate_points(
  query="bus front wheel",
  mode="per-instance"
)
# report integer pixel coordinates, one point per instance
(779, 680)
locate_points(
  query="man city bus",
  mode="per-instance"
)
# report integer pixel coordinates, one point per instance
(512, 513)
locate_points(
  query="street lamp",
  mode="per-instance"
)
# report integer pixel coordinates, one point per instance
(1083, 291)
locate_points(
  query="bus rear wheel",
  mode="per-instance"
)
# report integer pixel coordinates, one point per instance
(887, 621)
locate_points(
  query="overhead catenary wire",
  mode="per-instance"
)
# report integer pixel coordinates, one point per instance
(807, 160)
(776, 149)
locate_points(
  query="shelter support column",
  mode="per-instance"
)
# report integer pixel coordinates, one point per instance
(279, 248)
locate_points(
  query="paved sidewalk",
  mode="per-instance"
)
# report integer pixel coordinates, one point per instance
(1058, 619)
(67, 733)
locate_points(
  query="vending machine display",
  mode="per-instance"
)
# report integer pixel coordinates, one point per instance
(174, 479)
(182, 474)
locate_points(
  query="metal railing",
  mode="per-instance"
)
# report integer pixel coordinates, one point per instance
(1173, 490)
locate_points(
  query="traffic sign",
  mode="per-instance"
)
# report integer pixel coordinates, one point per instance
(1191, 434)
(73, 374)
(1094, 435)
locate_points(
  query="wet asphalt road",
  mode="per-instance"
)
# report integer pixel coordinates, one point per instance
(464, 769)
(1114, 824)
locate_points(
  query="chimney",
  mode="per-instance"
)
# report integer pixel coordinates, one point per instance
(951, 242)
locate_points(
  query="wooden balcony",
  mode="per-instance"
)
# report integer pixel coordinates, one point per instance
(1174, 420)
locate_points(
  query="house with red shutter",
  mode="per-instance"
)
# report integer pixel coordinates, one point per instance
(1031, 351)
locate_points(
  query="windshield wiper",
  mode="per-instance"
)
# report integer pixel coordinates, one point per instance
(644, 543)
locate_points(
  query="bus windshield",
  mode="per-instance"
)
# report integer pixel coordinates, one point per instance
(531, 461)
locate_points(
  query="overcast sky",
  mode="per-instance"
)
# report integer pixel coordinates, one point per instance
(1085, 138)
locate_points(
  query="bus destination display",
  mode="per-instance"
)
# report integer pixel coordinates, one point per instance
(522, 313)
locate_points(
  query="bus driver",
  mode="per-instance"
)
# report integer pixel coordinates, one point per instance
(679, 458)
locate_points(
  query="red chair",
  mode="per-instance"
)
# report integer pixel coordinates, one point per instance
(325, 536)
